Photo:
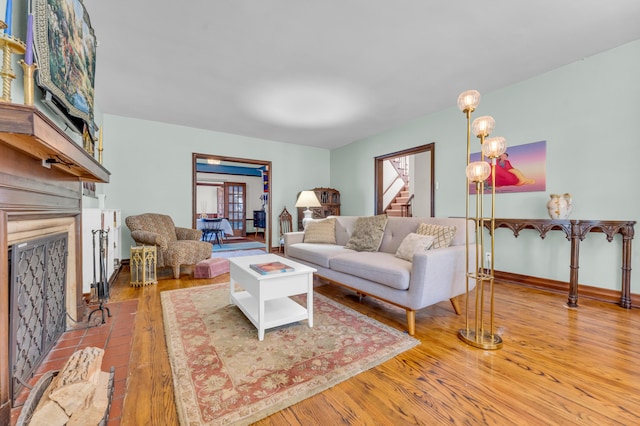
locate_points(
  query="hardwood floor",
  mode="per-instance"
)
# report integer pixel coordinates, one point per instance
(557, 366)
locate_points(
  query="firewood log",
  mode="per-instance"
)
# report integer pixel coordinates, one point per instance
(74, 385)
(94, 412)
(48, 413)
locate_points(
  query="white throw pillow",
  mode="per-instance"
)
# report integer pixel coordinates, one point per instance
(414, 243)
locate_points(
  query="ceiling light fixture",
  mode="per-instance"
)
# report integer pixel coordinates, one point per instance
(306, 103)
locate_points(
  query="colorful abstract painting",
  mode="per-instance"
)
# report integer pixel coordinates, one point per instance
(521, 169)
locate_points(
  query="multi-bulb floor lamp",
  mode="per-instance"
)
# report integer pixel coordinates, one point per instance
(476, 333)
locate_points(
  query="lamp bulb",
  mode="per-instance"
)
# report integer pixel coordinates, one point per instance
(494, 147)
(483, 126)
(478, 171)
(468, 100)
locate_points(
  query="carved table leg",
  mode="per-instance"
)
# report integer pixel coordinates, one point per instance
(625, 299)
(573, 277)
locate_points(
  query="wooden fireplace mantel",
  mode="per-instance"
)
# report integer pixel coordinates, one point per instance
(576, 231)
(28, 130)
(31, 193)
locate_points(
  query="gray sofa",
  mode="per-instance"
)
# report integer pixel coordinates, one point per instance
(433, 276)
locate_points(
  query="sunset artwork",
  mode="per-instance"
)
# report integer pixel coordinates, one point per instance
(521, 169)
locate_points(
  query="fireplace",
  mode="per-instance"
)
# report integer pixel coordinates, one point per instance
(41, 175)
(37, 303)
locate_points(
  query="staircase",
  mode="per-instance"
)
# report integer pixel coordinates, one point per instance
(398, 205)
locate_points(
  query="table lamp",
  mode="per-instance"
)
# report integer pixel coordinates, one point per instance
(307, 199)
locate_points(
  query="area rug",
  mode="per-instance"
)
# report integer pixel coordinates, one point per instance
(223, 374)
(237, 246)
(238, 253)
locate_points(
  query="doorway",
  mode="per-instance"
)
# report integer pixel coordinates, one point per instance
(234, 188)
(405, 182)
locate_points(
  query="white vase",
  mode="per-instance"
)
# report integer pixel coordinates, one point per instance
(560, 206)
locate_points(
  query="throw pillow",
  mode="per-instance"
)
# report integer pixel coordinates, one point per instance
(443, 234)
(323, 231)
(367, 233)
(414, 243)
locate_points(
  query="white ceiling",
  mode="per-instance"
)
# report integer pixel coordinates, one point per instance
(327, 72)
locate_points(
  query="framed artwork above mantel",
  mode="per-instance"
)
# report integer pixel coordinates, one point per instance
(65, 51)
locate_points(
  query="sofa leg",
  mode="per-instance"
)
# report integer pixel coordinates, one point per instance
(176, 272)
(456, 305)
(411, 321)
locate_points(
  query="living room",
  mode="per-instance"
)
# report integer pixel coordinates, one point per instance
(585, 109)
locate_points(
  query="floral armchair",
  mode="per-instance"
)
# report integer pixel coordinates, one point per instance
(175, 246)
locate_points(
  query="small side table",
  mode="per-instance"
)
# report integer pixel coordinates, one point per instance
(143, 265)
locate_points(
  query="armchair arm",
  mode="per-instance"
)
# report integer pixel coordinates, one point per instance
(188, 233)
(149, 238)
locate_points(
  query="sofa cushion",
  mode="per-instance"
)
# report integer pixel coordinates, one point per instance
(367, 233)
(323, 232)
(412, 244)
(319, 254)
(379, 267)
(443, 234)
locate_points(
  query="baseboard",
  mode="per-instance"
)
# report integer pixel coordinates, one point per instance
(584, 291)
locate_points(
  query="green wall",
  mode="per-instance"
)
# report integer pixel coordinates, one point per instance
(150, 165)
(588, 114)
(586, 111)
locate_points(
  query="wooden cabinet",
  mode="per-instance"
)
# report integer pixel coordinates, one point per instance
(330, 205)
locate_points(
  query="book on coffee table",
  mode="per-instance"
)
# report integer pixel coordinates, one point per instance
(270, 268)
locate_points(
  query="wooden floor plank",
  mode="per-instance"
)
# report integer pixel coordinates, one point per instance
(557, 365)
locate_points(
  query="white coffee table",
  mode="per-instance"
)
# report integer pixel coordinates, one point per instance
(265, 298)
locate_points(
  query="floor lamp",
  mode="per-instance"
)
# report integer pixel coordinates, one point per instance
(477, 332)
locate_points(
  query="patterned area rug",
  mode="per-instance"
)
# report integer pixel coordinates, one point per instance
(223, 375)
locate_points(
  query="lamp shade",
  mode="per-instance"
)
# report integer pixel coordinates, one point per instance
(308, 199)
(483, 126)
(494, 147)
(478, 171)
(468, 100)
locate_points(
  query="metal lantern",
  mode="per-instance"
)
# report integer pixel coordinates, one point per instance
(143, 265)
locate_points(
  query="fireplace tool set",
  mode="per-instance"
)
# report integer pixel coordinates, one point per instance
(100, 287)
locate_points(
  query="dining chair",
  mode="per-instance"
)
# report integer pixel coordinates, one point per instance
(214, 230)
(286, 225)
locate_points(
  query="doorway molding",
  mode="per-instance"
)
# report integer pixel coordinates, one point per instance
(194, 177)
(378, 174)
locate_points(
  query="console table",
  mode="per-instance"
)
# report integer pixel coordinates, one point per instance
(576, 231)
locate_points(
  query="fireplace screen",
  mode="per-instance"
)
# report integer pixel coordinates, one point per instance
(38, 270)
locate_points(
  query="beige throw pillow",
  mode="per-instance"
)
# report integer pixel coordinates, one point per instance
(414, 243)
(367, 233)
(443, 234)
(323, 231)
